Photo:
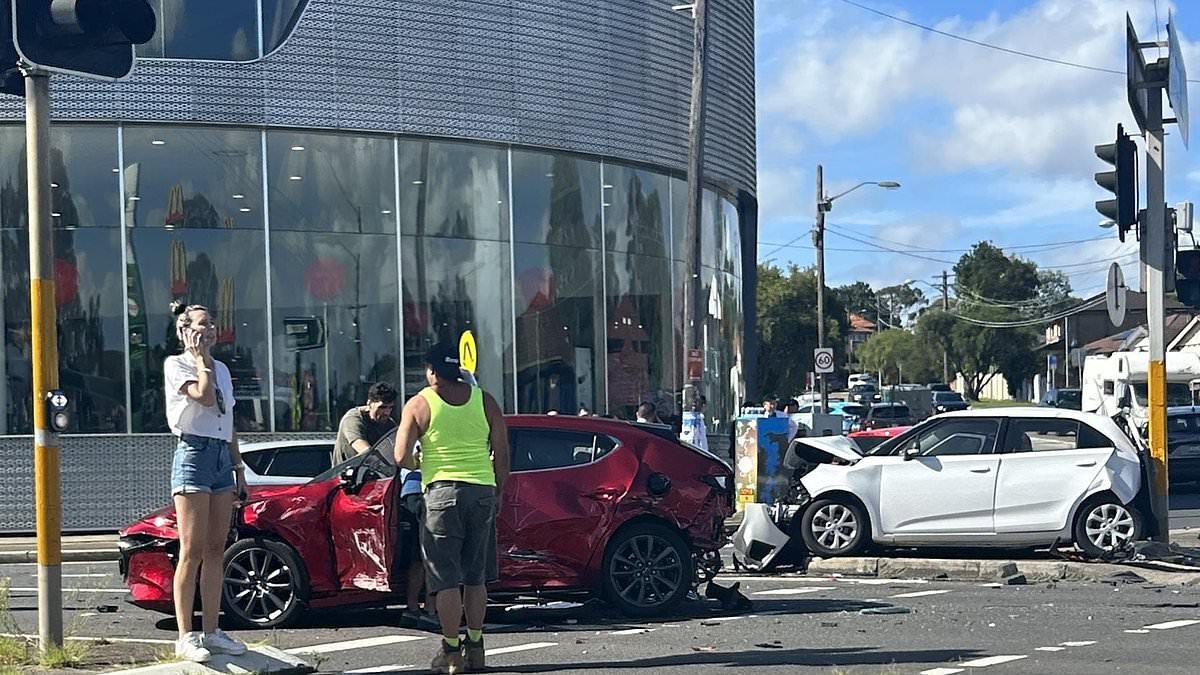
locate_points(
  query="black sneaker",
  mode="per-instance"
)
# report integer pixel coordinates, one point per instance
(473, 655)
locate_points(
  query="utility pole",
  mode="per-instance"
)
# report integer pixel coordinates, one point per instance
(945, 308)
(46, 456)
(819, 243)
(693, 288)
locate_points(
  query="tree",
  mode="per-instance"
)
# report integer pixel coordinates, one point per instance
(859, 298)
(787, 328)
(894, 301)
(897, 353)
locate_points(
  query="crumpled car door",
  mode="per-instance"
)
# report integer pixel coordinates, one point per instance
(362, 526)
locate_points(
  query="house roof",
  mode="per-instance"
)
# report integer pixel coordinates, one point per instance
(861, 324)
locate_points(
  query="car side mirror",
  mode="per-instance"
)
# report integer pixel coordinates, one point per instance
(349, 479)
(912, 452)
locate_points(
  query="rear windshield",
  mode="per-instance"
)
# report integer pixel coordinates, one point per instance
(891, 411)
(948, 396)
(1183, 423)
(1070, 396)
(862, 387)
(851, 409)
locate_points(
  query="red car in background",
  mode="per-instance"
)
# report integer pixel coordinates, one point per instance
(619, 510)
(867, 440)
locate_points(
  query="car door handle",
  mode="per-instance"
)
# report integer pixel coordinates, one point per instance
(981, 469)
(1090, 462)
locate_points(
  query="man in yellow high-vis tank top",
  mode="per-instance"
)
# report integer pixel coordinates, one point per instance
(464, 463)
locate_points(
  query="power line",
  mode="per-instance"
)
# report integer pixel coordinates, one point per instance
(987, 45)
(843, 235)
(1025, 323)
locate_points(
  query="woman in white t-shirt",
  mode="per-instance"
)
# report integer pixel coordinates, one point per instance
(206, 477)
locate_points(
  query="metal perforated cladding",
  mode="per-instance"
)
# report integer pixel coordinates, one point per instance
(609, 78)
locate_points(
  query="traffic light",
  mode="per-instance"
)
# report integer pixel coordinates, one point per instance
(1122, 210)
(92, 38)
(1187, 276)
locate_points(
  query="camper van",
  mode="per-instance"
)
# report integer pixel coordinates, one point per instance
(1110, 380)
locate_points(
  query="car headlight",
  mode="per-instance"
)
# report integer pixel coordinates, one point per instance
(941, 408)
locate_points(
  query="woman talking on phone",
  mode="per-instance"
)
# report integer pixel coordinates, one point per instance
(206, 475)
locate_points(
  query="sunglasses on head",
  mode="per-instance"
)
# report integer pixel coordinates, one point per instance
(220, 401)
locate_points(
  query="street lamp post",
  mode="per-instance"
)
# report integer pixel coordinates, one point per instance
(825, 205)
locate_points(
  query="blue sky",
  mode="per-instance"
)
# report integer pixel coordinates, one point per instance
(986, 145)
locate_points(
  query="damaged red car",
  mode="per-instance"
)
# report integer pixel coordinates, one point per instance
(621, 511)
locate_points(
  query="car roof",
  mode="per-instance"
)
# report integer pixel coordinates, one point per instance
(1026, 411)
(590, 423)
(259, 446)
(1183, 409)
(890, 404)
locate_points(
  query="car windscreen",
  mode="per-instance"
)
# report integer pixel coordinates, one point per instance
(1178, 393)
(381, 454)
(1070, 398)
(1183, 424)
(947, 397)
(851, 409)
(890, 411)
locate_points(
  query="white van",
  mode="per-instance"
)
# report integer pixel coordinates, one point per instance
(1108, 380)
(861, 378)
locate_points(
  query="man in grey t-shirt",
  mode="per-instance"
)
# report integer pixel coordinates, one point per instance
(363, 425)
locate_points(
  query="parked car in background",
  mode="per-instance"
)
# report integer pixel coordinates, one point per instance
(938, 386)
(1011, 477)
(286, 462)
(861, 378)
(881, 415)
(864, 393)
(1071, 399)
(948, 401)
(619, 510)
(851, 412)
(867, 440)
(1183, 443)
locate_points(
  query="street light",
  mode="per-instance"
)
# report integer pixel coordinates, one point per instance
(825, 205)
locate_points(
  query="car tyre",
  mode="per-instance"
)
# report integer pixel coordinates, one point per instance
(265, 583)
(835, 526)
(648, 570)
(1103, 525)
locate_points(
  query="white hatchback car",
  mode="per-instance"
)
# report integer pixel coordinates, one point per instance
(1011, 477)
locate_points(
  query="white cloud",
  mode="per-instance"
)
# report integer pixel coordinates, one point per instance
(786, 195)
(1037, 200)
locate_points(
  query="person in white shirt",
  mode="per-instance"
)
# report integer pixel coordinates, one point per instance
(206, 476)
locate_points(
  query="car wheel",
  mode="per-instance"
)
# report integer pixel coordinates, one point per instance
(265, 584)
(1104, 525)
(834, 527)
(647, 570)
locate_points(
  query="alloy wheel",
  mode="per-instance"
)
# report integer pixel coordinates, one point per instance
(1109, 526)
(259, 585)
(835, 526)
(647, 571)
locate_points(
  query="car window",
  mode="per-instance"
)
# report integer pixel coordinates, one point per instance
(947, 396)
(301, 460)
(1070, 398)
(852, 409)
(1041, 435)
(381, 457)
(536, 449)
(1090, 438)
(258, 460)
(890, 412)
(1183, 424)
(1178, 393)
(959, 437)
(1109, 387)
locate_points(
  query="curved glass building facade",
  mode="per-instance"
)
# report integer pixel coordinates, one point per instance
(384, 174)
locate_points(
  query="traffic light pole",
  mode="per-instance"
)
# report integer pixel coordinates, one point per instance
(46, 460)
(1154, 262)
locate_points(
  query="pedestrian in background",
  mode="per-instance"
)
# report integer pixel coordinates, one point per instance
(206, 473)
(464, 462)
(646, 414)
(362, 426)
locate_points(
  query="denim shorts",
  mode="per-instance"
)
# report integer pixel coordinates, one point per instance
(458, 539)
(201, 464)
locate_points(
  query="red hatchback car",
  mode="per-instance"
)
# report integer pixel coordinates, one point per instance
(619, 510)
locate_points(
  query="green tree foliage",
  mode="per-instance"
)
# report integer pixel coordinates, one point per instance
(787, 328)
(900, 352)
(859, 298)
(894, 301)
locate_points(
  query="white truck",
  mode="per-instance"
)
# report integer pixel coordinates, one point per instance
(1110, 380)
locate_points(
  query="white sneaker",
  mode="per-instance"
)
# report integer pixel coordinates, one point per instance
(218, 642)
(190, 647)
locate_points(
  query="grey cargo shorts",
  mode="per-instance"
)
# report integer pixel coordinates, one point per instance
(458, 540)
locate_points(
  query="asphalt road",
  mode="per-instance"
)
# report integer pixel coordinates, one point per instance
(798, 624)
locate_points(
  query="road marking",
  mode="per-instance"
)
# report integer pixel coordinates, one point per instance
(729, 618)
(381, 669)
(519, 648)
(920, 594)
(73, 590)
(941, 671)
(993, 660)
(794, 591)
(148, 641)
(86, 576)
(885, 582)
(347, 645)
(1168, 625)
(1051, 649)
(1137, 631)
(632, 631)
(1081, 643)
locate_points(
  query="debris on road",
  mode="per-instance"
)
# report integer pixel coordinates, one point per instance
(890, 609)
(731, 598)
(773, 644)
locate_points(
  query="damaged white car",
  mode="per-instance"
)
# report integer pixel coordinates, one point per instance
(1011, 477)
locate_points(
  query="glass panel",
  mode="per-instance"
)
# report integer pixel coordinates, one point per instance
(679, 204)
(538, 450)
(639, 336)
(221, 269)
(331, 182)
(222, 30)
(454, 190)
(279, 20)
(1041, 435)
(731, 249)
(185, 177)
(305, 460)
(345, 285)
(559, 313)
(455, 285)
(556, 200)
(712, 233)
(637, 210)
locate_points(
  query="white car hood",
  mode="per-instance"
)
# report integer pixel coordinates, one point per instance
(811, 449)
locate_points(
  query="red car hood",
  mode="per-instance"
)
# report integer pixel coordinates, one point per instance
(160, 523)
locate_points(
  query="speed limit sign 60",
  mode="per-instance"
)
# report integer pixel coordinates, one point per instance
(823, 358)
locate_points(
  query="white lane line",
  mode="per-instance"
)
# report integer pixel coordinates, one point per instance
(886, 582)
(148, 641)
(993, 660)
(777, 578)
(632, 631)
(794, 591)
(380, 669)
(1051, 649)
(1168, 625)
(1080, 643)
(727, 618)
(86, 576)
(24, 589)
(347, 645)
(920, 594)
(1137, 631)
(519, 648)
(941, 671)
